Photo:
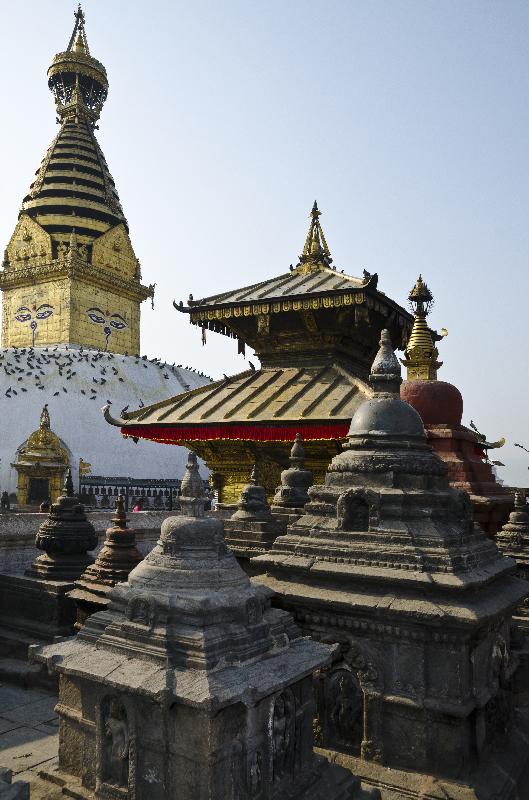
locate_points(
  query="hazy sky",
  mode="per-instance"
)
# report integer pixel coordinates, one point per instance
(407, 120)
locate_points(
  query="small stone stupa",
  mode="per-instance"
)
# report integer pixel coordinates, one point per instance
(35, 606)
(252, 529)
(190, 685)
(292, 494)
(66, 537)
(388, 563)
(513, 541)
(118, 556)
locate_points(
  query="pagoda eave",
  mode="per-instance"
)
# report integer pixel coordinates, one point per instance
(182, 434)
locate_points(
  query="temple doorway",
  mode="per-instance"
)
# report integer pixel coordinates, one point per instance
(39, 490)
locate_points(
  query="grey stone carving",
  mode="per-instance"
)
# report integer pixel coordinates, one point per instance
(388, 564)
(292, 494)
(190, 685)
(252, 529)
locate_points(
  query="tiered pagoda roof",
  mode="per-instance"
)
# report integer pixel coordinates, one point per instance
(314, 329)
(264, 405)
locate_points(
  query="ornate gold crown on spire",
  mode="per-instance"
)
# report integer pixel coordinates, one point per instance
(421, 354)
(315, 253)
(78, 80)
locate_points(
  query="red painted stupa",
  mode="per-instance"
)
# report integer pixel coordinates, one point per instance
(440, 404)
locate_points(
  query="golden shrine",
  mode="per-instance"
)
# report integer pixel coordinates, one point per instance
(315, 331)
(70, 274)
(41, 465)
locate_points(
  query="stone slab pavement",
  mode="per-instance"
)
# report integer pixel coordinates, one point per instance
(29, 736)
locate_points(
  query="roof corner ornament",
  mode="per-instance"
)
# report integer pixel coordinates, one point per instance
(315, 253)
(421, 354)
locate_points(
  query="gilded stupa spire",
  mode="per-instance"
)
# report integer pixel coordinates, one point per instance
(71, 243)
(315, 253)
(78, 81)
(421, 354)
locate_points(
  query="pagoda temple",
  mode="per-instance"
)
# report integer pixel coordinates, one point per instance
(315, 331)
(440, 405)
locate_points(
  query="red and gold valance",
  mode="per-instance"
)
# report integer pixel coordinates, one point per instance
(176, 434)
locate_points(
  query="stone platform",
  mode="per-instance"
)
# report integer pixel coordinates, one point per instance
(29, 737)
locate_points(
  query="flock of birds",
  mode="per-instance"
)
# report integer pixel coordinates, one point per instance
(26, 367)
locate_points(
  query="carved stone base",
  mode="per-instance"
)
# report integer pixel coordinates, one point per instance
(89, 600)
(502, 776)
(36, 608)
(247, 539)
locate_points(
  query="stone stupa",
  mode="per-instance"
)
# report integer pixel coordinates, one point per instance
(252, 529)
(118, 556)
(190, 685)
(388, 563)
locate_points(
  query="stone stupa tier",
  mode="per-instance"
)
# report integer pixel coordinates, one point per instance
(315, 330)
(72, 292)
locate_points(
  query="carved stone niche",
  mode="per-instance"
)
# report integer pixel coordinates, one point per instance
(116, 748)
(356, 509)
(340, 715)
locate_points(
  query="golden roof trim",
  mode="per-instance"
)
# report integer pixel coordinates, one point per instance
(73, 268)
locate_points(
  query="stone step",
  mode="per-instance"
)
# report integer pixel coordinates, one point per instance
(29, 676)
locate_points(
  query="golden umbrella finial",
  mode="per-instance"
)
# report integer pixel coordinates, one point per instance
(421, 354)
(315, 253)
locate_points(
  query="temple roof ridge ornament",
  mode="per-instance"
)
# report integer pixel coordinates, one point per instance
(316, 254)
(421, 354)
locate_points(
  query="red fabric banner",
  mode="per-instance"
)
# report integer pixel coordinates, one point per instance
(252, 433)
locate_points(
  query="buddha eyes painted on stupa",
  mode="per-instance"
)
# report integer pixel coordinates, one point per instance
(32, 315)
(110, 321)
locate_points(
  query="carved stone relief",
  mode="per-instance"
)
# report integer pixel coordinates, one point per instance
(283, 735)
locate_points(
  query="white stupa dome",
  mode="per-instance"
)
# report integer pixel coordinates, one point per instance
(75, 383)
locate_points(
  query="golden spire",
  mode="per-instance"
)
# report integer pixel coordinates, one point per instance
(45, 419)
(78, 81)
(315, 253)
(421, 354)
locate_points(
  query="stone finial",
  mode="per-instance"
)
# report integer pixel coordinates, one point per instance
(120, 517)
(295, 481)
(65, 537)
(117, 558)
(297, 454)
(68, 484)
(385, 374)
(192, 493)
(253, 503)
